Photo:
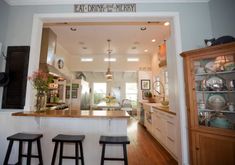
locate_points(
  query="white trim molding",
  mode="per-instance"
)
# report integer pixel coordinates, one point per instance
(179, 106)
(72, 2)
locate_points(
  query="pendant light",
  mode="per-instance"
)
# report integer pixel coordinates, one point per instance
(108, 73)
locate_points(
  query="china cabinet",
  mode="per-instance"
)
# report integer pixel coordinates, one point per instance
(210, 94)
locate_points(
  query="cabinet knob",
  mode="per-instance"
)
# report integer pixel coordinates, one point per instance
(197, 148)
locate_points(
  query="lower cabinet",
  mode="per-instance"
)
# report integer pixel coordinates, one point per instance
(164, 130)
(212, 149)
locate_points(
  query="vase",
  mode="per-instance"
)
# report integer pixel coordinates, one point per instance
(41, 100)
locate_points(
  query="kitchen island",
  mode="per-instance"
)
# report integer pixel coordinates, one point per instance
(92, 124)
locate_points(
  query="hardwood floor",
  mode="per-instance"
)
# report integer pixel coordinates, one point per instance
(144, 149)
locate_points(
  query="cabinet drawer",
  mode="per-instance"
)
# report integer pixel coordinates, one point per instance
(171, 130)
(171, 145)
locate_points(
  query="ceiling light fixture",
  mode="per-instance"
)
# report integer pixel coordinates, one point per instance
(108, 74)
(146, 50)
(110, 59)
(132, 59)
(86, 59)
(154, 40)
(73, 29)
(143, 28)
(167, 23)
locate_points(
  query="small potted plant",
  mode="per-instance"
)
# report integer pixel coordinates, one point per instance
(150, 97)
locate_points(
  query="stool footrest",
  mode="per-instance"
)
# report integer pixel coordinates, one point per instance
(70, 157)
(32, 156)
(120, 159)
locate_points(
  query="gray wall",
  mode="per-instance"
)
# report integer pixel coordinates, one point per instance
(4, 9)
(195, 25)
(4, 12)
(222, 17)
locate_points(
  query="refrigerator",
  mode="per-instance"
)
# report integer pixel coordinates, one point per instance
(79, 95)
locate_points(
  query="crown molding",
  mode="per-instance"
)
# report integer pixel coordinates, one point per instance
(72, 2)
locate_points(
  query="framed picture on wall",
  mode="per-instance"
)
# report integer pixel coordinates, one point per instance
(145, 84)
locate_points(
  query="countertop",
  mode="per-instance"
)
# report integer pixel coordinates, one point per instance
(75, 114)
(160, 107)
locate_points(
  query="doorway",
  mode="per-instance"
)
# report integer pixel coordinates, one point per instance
(175, 62)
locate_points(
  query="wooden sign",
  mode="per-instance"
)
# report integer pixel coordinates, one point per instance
(104, 8)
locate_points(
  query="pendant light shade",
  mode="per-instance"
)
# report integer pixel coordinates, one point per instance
(108, 73)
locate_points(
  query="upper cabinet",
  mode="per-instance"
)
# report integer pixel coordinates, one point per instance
(210, 93)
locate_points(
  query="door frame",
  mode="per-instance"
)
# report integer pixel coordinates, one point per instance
(173, 17)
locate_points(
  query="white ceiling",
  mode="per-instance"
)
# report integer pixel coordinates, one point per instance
(54, 2)
(90, 39)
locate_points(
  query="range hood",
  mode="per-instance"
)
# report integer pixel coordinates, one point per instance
(47, 54)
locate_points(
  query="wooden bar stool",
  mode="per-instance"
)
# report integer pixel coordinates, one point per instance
(24, 137)
(123, 140)
(76, 139)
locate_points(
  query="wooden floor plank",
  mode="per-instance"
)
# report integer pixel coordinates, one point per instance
(144, 149)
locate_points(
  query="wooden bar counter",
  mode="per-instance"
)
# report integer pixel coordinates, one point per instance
(50, 123)
(75, 114)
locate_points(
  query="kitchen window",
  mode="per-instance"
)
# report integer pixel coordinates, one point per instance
(99, 92)
(131, 93)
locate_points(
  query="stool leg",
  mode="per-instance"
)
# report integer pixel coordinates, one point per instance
(125, 154)
(76, 154)
(54, 153)
(29, 153)
(81, 153)
(61, 153)
(102, 156)
(8, 152)
(39, 152)
(20, 153)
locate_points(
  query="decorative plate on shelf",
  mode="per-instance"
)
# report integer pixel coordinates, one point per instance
(216, 102)
(230, 66)
(210, 67)
(214, 83)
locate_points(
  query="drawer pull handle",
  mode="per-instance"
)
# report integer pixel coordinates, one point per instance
(158, 129)
(170, 139)
(170, 122)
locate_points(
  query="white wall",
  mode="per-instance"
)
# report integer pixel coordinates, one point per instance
(222, 17)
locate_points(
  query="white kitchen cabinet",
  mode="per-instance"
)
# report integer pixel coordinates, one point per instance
(164, 130)
(148, 117)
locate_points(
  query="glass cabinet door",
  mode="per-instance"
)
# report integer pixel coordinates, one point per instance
(215, 91)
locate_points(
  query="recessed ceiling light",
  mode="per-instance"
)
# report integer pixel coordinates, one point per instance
(134, 47)
(84, 48)
(167, 23)
(146, 50)
(73, 29)
(143, 28)
(110, 59)
(154, 40)
(131, 59)
(86, 59)
(81, 43)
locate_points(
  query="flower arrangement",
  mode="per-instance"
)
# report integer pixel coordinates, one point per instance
(40, 80)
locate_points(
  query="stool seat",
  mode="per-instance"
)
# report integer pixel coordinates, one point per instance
(114, 140)
(60, 140)
(120, 140)
(24, 137)
(68, 138)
